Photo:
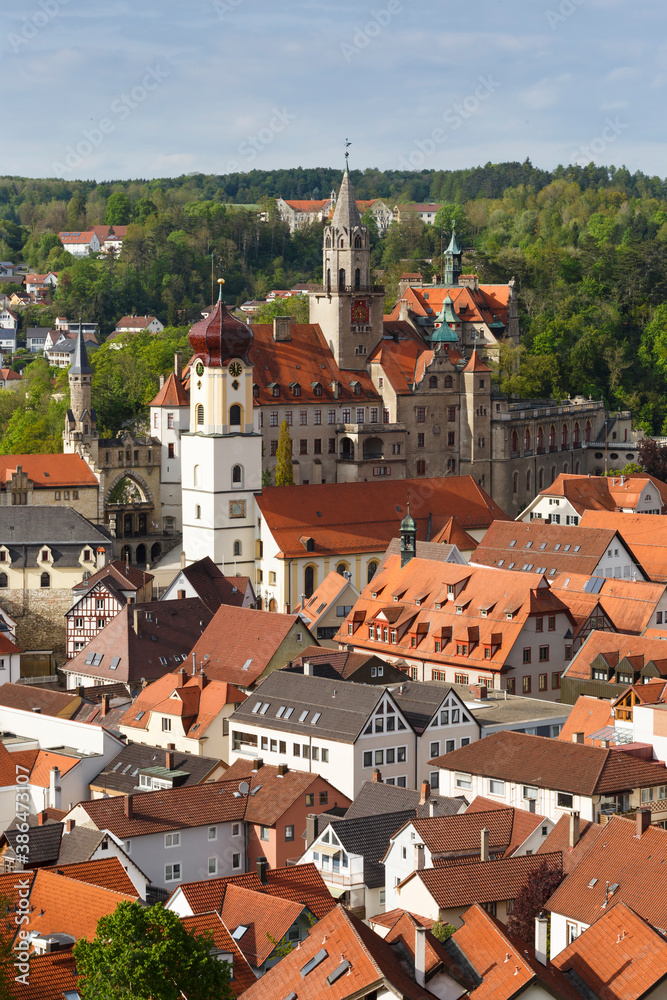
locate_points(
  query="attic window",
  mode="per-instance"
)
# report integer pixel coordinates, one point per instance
(529, 545)
(239, 932)
(264, 709)
(304, 715)
(314, 962)
(567, 548)
(163, 661)
(512, 543)
(288, 713)
(138, 718)
(543, 545)
(556, 547)
(316, 718)
(256, 707)
(114, 663)
(577, 548)
(280, 712)
(338, 972)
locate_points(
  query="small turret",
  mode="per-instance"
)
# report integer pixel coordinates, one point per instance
(408, 538)
(453, 266)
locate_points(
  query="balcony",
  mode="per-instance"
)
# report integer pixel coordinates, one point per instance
(353, 289)
(370, 428)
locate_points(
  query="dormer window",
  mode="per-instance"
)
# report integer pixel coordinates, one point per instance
(255, 391)
(356, 388)
(274, 387)
(44, 555)
(296, 388)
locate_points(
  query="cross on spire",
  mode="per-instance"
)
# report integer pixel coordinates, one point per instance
(347, 155)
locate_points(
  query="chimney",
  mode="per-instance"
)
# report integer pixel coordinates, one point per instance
(484, 844)
(577, 737)
(282, 770)
(169, 760)
(377, 776)
(258, 764)
(69, 825)
(307, 669)
(425, 792)
(574, 829)
(41, 818)
(432, 808)
(135, 617)
(311, 828)
(128, 807)
(54, 788)
(161, 381)
(643, 821)
(262, 866)
(541, 927)
(181, 676)
(281, 325)
(80, 690)
(178, 365)
(419, 857)
(420, 956)
(101, 557)
(105, 705)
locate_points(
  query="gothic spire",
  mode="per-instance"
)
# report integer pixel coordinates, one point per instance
(80, 364)
(346, 214)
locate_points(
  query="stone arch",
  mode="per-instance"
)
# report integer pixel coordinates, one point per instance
(141, 554)
(126, 554)
(137, 480)
(156, 552)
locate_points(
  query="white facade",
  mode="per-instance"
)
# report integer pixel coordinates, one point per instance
(343, 871)
(181, 587)
(168, 424)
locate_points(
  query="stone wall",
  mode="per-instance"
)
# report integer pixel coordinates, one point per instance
(40, 621)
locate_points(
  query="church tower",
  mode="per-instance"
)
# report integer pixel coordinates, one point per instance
(453, 266)
(221, 454)
(347, 307)
(80, 434)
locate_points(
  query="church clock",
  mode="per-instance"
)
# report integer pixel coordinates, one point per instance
(360, 312)
(199, 368)
(235, 369)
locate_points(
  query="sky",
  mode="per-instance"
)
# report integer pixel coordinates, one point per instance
(111, 90)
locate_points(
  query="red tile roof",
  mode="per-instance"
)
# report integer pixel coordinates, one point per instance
(9, 375)
(619, 958)
(127, 577)
(644, 534)
(589, 715)
(211, 923)
(617, 857)
(49, 471)
(301, 883)
(241, 642)
(172, 393)
(481, 881)
(365, 516)
(171, 809)
(265, 917)
(50, 977)
(559, 840)
(614, 647)
(460, 834)
(70, 906)
(107, 873)
(629, 605)
(277, 792)
(547, 763)
(453, 534)
(45, 760)
(598, 493)
(198, 702)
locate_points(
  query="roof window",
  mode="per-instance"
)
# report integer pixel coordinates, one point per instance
(338, 972)
(529, 545)
(512, 543)
(314, 962)
(316, 718)
(256, 707)
(304, 715)
(264, 709)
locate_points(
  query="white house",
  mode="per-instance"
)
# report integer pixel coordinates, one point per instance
(80, 244)
(170, 419)
(134, 324)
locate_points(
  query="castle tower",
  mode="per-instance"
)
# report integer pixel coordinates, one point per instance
(170, 419)
(347, 307)
(80, 434)
(221, 454)
(475, 428)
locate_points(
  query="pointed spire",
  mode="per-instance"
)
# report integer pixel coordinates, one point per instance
(346, 214)
(80, 365)
(453, 247)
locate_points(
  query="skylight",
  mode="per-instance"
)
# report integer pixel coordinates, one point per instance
(256, 707)
(280, 712)
(288, 713)
(314, 962)
(304, 715)
(140, 716)
(316, 718)
(239, 932)
(513, 543)
(264, 709)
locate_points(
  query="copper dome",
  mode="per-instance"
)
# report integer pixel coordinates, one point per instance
(220, 337)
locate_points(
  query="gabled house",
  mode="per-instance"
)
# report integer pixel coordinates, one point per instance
(225, 948)
(141, 768)
(340, 664)
(644, 534)
(80, 244)
(607, 663)
(99, 598)
(331, 602)
(553, 778)
(349, 729)
(9, 379)
(204, 580)
(474, 835)
(569, 496)
(188, 713)
(135, 324)
(279, 802)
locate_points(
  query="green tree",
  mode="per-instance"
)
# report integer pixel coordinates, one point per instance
(119, 210)
(296, 306)
(284, 472)
(442, 931)
(145, 953)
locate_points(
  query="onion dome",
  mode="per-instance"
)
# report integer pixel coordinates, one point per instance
(408, 524)
(220, 337)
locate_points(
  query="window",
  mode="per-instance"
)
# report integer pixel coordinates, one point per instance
(331, 416)
(565, 801)
(288, 417)
(172, 839)
(310, 798)
(539, 624)
(200, 414)
(544, 654)
(555, 680)
(572, 928)
(527, 684)
(451, 414)
(324, 798)
(263, 833)
(45, 580)
(213, 866)
(172, 873)
(421, 467)
(303, 417)
(496, 787)
(332, 446)
(273, 420)
(420, 440)
(213, 832)
(527, 654)
(542, 682)
(435, 749)
(451, 439)
(511, 685)
(552, 623)
(170, 450)
(166, 725)
(420, 413)
(303, 446)
(289, 832)
(463, 780)
(317, 417)
(274, 448)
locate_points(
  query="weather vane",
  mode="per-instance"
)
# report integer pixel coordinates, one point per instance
(347, 155)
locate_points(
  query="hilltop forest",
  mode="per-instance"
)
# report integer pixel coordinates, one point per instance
(586, 245)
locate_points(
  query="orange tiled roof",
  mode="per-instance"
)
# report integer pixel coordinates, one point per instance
(69, 906)
(211, 923)
(628, 604)
(51, 977)
(265, 917)
(276, 793)
(617, 857)
(307, 205)
(508, 829)
(480, 305)
(50, 471)
(599, 493)
(453, 534)
(559, 840)
(198, 706)
(107, 873)
(644, 534)
(548, 763)
(589, 715)
(9, 375)
(172, 393)
(481, 881)
(614, 647)
(319, 603)
(619, 958)
(46, 759)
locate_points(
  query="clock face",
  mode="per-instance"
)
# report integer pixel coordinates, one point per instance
(199, 368)
(360, 312)
(237, 508)
(235, 369)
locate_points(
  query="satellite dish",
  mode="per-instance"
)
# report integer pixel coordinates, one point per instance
(244, 788)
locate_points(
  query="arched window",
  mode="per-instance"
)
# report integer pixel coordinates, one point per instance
(449, 381)
(527, 439)
(309, 581)
(357, 242)
(357, 278)
(235, 415)
(577, 468)
(45, 580)
(577, 432)
(200, 414)
(197, 512)
(552, 438)
(563, 436)
(528, 478)
(273, 604)
(328, 242)
(421, 467)
(328, 279)
(515, 442)
(515, 482)
(341, 278)
(540, 479)
(237, 475)
(237, 548)
(588, 430)
(195, 475)
(342, 568)
(371, 571)
(540, 439)
(433, 382)
(4, 581)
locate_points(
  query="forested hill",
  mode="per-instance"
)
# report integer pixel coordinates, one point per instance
(587, 247)
(489, 181)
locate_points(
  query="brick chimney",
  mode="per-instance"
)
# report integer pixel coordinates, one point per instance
(419, 857)
(105, 704)
(642, 821)
(169, 760)
(377, 776)
(574, 829)
(258, 764)
(128, 807)
(262, 868)
(484, 844)
(282, 770)
(69, 825)
(424, 793)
